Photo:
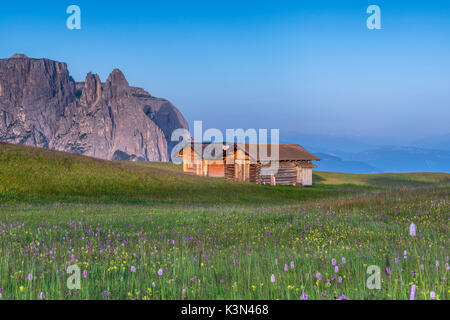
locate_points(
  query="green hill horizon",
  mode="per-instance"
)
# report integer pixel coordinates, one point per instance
(29, 174)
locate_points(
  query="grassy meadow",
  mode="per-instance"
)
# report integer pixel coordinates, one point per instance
(148, 231)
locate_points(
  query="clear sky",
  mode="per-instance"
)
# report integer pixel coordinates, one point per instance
(302, 66)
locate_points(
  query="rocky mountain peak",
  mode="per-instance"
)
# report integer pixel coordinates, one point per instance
(41, 105)
(116, 85)
(92, 90)
(18, 56)
(116, 77)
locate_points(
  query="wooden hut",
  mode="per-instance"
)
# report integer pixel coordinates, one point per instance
(294, 164)
(203, 160)
(250, 163)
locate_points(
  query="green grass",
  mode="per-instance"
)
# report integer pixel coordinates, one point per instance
(384, 180)
(43, 176)
(211, 238)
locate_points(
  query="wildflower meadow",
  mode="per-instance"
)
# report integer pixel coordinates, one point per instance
(311, 251)
(317, 248)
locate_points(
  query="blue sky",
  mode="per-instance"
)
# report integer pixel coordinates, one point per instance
(301, 66)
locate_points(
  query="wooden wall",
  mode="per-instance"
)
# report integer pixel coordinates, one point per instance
(215, 169)
(289, 173)
(255, 173)
(306, 176)
(192, 162)
(286, 175)
(229, 172)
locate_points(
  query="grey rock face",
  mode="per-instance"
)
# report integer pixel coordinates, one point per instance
(41, 105)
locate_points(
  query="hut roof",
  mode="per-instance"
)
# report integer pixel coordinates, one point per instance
(286, 152)
(212, 153)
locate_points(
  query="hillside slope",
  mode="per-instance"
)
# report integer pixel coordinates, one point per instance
(29, 174)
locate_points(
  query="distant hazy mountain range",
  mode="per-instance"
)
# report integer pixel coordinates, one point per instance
(439, 142)
(354, 155)
(332, 163)
(387, 159)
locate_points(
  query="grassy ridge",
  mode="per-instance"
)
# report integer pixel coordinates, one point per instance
(39, 175)
(384, 180)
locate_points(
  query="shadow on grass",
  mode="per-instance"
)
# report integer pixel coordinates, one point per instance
(317, 178)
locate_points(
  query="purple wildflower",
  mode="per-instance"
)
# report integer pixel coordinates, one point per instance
(388, 271)
(412, 230)
(413, 292)
(160, 272)
(304, 296)
(272, 278)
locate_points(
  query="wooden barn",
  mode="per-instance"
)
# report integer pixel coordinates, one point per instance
(244, 163)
